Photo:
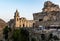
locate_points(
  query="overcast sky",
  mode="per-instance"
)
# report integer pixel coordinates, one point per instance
(26, 8)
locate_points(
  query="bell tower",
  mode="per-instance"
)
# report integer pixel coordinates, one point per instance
(16, 19)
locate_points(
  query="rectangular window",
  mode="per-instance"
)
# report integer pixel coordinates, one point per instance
(40, 19)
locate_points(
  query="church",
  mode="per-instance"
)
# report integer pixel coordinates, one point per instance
(20, 21)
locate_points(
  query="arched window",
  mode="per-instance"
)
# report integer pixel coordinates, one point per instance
(17, 19)
(23, 25)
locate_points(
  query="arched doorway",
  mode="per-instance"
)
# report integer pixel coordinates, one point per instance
(23, 25)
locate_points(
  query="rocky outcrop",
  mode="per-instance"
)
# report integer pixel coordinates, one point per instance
(2, 23)
(2, 26)
(49, 6)
(50, 15)
(52, 10)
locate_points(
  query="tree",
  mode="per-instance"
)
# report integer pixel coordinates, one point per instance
(16, 35)
(33, 39)
(43, 36)
(55, 37)
(20, 35)
(5, 32)
(50, 37)
(24, 34)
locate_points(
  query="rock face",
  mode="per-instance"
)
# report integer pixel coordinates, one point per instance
(2, 26)
(2, 23)
(49, 6)
(50, 15)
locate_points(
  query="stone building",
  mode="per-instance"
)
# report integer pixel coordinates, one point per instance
(20, 21)
(50, 15)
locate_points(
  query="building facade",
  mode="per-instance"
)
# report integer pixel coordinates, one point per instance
(20, 21)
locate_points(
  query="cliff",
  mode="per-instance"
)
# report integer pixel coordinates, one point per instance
(49, 6)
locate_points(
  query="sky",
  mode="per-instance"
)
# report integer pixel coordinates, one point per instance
(26, 8)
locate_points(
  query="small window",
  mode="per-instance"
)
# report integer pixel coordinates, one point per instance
(33, 24)
(17, 19)
(40, 19)
(23, 25)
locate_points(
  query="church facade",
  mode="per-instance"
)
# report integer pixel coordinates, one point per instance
(20, 21)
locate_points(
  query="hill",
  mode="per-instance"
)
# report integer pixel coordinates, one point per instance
(2, 23)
